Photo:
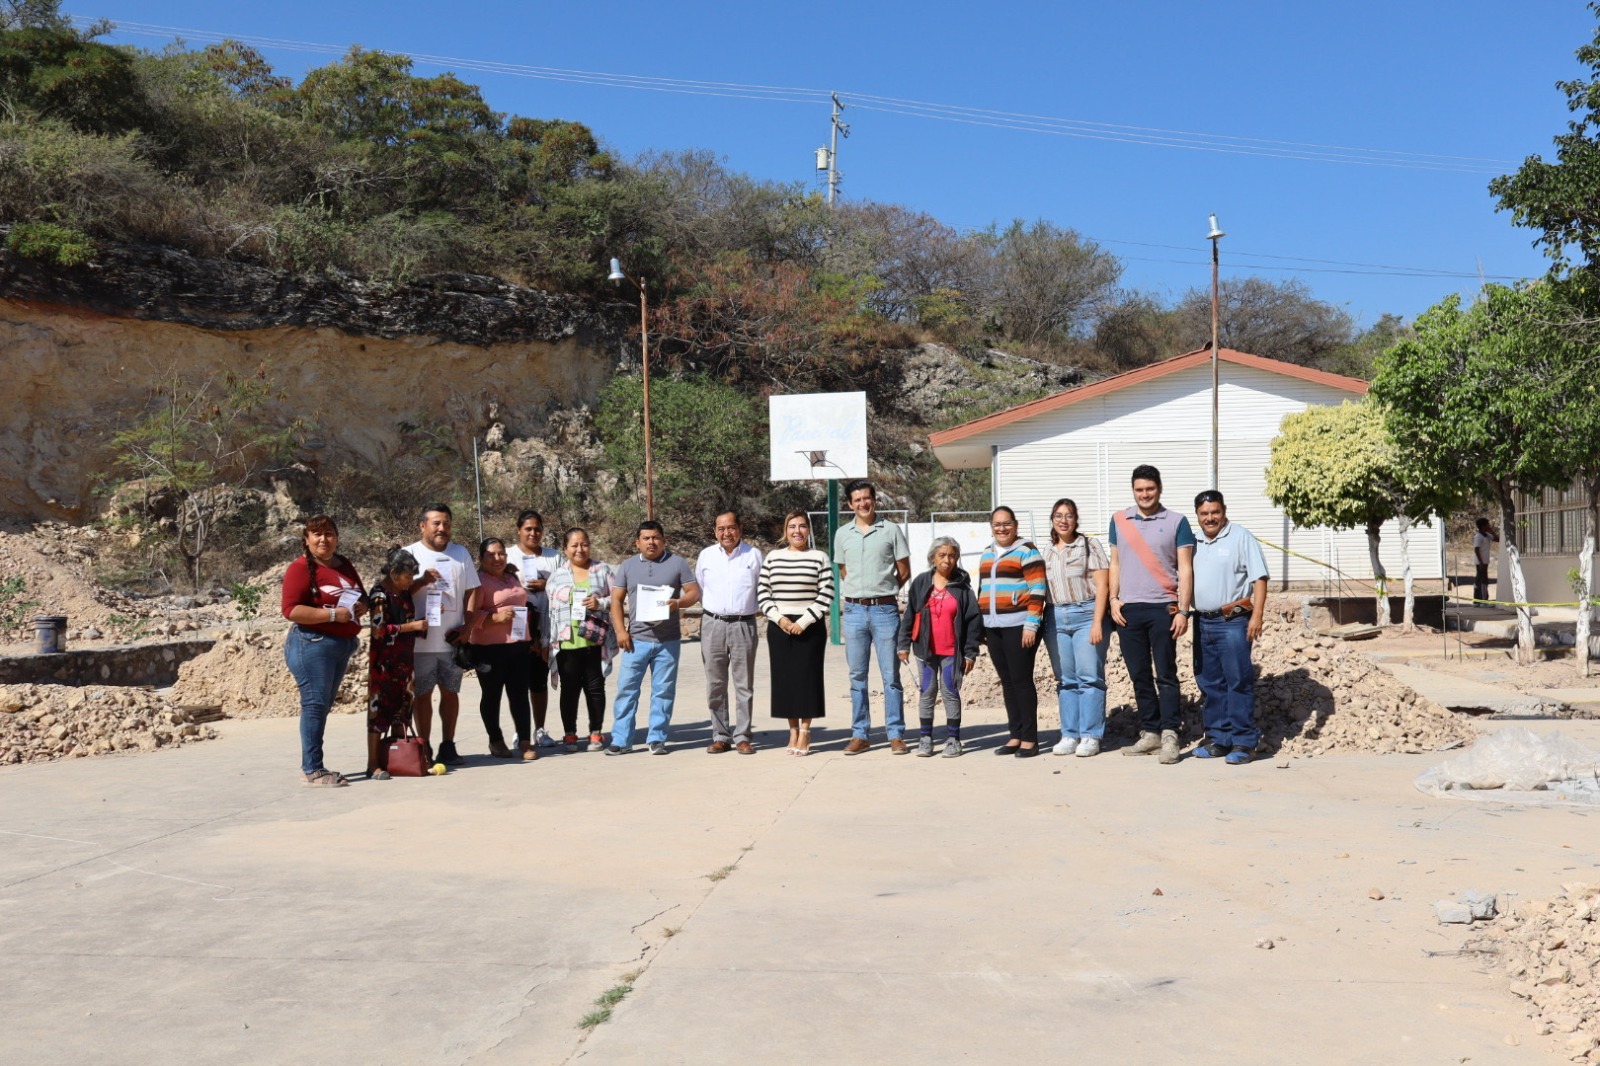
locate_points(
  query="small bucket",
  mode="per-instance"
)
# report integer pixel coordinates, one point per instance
(52, 632)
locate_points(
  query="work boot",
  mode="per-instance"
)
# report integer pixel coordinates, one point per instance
(1169, 747)
(1147, 743)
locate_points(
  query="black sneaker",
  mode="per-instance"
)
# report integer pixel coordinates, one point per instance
(619, 749)
(448, 754)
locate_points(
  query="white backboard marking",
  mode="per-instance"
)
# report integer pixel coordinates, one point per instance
(805, 424)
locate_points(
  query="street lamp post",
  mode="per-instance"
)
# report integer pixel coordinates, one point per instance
(617, 274)
(1214, 236)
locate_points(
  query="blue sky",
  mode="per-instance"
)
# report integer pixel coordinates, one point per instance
(1472, 79)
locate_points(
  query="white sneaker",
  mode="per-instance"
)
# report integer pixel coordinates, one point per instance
(1088, 746)
(543, 739)
(1065, 746)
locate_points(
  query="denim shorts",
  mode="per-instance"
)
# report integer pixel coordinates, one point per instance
(436, 669)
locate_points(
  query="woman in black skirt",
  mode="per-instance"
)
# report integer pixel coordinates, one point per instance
(795, 592)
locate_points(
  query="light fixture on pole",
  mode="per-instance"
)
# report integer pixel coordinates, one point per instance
(617, 274)
(1214, 236)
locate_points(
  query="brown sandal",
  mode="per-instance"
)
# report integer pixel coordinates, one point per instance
(325, 779)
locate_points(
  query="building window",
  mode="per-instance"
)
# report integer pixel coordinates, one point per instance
(1551, 522)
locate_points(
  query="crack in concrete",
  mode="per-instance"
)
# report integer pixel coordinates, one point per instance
(578, 1049)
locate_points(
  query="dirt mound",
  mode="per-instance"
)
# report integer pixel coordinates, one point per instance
(1313, 696)
(39, 723)
(50, 570)
(1551, 953)
(245, 675)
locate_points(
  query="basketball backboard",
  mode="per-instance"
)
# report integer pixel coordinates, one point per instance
(818, 435)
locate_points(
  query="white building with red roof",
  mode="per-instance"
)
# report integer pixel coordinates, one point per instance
(1084, 443)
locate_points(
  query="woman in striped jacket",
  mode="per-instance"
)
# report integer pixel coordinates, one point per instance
(1011, 597)
(795, 592)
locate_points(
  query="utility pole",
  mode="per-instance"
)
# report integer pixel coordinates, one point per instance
(837, 129)
(1214, 236)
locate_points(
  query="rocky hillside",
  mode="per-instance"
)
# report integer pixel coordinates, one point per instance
(380, 374)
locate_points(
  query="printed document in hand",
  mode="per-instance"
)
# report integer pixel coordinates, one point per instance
(348, 598)
(652, 603)
(435, 608)
(519, 623)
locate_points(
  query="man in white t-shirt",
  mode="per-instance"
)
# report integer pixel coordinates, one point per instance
(443, 594)
(535, 563)
(1483, 542)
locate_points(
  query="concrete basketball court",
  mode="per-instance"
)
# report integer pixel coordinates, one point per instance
(200, 906)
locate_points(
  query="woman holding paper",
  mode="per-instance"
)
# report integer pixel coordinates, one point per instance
(498, 632)
(324, 598)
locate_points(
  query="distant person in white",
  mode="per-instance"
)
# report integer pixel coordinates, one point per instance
(728, 573)
(450, 580)
(535, 563)
(1483, 542)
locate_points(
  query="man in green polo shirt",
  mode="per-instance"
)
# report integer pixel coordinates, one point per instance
(874, 561)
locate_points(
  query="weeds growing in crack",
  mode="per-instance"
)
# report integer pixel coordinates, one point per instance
(670, 933)
(609, 999)
(720, 874)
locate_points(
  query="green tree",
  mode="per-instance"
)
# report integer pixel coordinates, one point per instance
(1470, 402)
(49, 70)
(196, 440)
(701, 436)
(1336, 467)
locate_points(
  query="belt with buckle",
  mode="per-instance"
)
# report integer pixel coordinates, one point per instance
(871, 601)
(730, 617)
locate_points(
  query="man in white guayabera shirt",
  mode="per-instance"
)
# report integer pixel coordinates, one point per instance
(728, 573)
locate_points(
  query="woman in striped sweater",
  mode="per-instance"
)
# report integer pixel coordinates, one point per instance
(795, 591)
(1011, 595)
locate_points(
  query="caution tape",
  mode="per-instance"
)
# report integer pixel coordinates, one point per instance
(1380, 589)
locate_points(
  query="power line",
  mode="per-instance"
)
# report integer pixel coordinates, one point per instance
(1066, 127)
(1377, 268)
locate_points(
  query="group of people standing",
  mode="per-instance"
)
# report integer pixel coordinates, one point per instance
(527, 618)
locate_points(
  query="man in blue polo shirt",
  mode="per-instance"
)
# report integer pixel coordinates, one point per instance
(1230, 603)
(874, 561)
(1152, 578)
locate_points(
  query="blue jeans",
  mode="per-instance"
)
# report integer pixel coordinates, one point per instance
(1080, 668)
(867, 629)
(317, 662)
(661, 660)
(1227, 680)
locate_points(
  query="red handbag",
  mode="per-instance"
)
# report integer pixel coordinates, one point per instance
(406, 756)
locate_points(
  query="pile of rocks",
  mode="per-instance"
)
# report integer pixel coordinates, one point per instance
(245, 675)
(1313, 697)
(1551, 952)
(39, 723)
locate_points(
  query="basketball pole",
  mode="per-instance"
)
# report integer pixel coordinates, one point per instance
(834, 610)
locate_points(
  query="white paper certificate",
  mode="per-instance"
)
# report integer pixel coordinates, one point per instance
(519, 623)
(652, 603)
(435, 608)
(348, 598)
(445, 572)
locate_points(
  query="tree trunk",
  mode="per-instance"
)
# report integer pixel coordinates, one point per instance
(1380, 577)
(1586, 576)
(1519, 587)
(1408, 623)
